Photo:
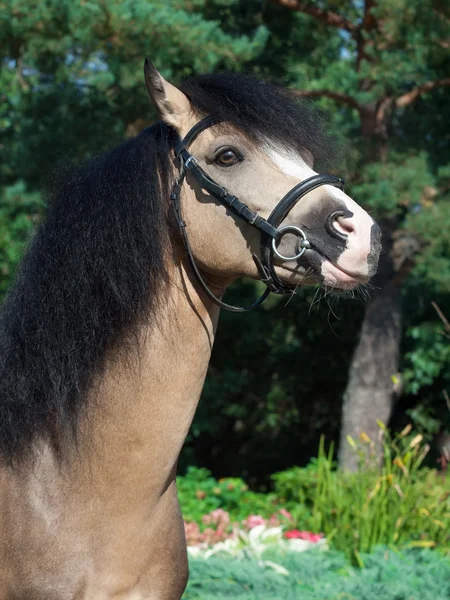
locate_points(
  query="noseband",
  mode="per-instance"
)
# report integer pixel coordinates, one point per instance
(271, 232)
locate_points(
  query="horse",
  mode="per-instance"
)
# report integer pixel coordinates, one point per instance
(106, 333)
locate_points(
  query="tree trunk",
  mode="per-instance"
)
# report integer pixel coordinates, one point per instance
(369, 395)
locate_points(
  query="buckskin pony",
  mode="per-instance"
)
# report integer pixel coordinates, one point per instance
(106, 334)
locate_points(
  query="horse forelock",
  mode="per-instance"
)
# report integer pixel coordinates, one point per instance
(265, 112)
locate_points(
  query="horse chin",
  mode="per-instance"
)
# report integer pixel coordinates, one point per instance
(327, 275)
(334, 276)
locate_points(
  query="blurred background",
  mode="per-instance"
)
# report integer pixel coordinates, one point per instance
(71, 85)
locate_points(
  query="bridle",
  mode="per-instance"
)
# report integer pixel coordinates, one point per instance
(271, 232)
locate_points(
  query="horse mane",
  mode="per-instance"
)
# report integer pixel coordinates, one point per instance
(96, 266)
(91, 276)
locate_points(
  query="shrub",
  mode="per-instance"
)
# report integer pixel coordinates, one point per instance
(411, 575)
(396, 503)
(200, 494)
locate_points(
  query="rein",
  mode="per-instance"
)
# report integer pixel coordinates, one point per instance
(271, 232)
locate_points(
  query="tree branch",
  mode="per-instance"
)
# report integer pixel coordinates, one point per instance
(328, 16)
(368, 23)
(410, 97)
(442, 317)
(381, 116)
(342, 98)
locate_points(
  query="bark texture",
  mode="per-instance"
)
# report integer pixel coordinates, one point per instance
(372, 389)
(369, 395)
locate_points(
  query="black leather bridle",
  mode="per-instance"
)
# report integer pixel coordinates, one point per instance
(271, 232)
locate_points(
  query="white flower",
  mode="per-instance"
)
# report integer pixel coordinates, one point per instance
(252, 544)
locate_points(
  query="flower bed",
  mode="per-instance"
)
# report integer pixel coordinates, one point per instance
(397, 504)
(219, 527)
(250, 538)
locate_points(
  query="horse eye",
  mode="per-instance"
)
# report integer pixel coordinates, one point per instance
(228, 158)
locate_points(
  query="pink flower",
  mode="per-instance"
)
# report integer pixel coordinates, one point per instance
(217, 517)
(254, 521)
(274, 521)
(192, 532)
(209, 536)
(295, 534)
(285, 513)
(220, 516)
(219, 529)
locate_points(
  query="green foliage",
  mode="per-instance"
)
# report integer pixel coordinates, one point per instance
(84, 61)
(397, 504)
(432, 214)
(410, 575)
(390, 188)
(73, 75)
(199, 494)
(426, 349)
(429, 359)
(18, 213)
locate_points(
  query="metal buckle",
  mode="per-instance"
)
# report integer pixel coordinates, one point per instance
(190, 160)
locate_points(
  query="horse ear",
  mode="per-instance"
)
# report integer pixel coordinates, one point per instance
(169, 101)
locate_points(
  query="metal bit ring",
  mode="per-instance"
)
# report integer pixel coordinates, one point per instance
(303, 243)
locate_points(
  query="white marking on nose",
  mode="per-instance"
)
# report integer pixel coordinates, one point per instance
(295, 167)
(359, 240)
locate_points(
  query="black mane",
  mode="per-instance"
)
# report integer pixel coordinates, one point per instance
(89, 278)
(94, 269)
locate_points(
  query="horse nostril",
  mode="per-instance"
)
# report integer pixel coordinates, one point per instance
(338, 226)
(344, 224)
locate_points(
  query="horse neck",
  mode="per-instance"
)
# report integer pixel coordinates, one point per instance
(141, 413)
